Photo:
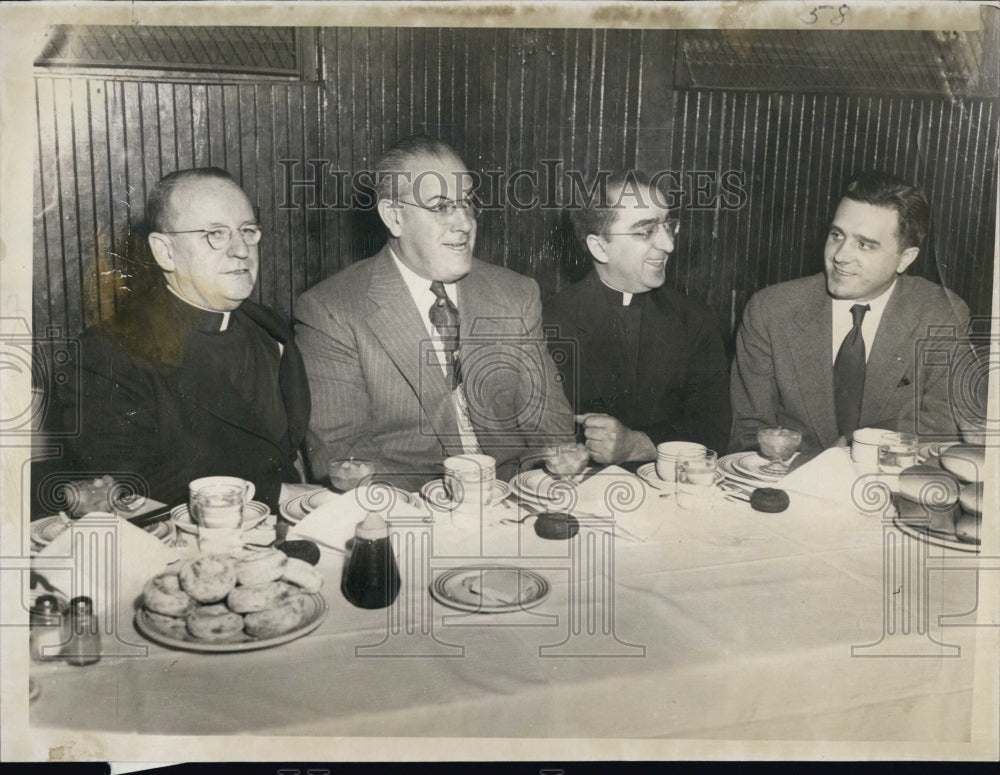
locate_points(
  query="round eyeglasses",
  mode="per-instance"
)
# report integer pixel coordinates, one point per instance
(447, 208)
(219, 237)
(671, 227)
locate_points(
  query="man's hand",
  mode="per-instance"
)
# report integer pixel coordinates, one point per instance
(609, 442)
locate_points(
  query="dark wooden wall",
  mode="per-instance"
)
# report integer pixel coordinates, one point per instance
(508, 99)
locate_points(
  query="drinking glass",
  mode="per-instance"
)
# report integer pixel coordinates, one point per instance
(696, 474)
(778, 445)
(567, 460)
(348, 473)
(896, 451)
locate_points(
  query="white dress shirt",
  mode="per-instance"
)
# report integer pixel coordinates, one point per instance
(843, 321)
(420, 290)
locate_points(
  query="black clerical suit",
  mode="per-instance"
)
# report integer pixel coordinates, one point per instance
(657, 365)
(165, 395)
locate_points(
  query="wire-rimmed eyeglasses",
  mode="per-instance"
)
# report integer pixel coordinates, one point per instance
(446, 208)
(671, 227)
(219, 237)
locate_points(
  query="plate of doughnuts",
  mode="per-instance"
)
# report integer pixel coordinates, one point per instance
(232, 602)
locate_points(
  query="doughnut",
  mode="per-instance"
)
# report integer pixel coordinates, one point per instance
(769, 500)
(208, 579)
(967, 528)
(261, 567)
(174, 626)
(302, 550)
(556, 527)
(276, 621)
(163, 595)
(257, 597)
(923, 483)
(302, 574)
(972, 498)
(214, 622)
(941, 519)
(966, 461)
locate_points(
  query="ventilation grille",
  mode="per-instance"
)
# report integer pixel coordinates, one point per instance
(256, 50)
(939, 63)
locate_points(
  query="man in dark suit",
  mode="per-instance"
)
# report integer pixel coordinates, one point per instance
(192, 378)
(841, 350)
(643, 362)
(421, 351)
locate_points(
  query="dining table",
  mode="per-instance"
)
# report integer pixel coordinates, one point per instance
(824, 623)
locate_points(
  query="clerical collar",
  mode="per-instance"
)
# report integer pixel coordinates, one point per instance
(618, 297)
(209, 321)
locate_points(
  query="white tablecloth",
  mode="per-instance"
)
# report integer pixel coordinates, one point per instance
(726, 624)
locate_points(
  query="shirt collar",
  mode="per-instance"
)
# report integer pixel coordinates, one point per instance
(420, 287)
(876, 305)
(208, 321)
(618, 297)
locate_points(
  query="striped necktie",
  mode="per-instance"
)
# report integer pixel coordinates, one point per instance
(444, 317)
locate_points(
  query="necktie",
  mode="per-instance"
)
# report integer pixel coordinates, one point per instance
(849, 375)
(444, 318)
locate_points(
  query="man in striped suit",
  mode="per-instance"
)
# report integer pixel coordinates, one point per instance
(421, 351)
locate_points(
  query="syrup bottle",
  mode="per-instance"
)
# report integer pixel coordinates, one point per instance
(371, 578)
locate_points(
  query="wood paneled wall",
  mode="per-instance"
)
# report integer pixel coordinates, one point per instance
(509, 100)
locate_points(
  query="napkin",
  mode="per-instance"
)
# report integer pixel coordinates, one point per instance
(333, 522)
(837, 480)
(111, 572)
(615, 494)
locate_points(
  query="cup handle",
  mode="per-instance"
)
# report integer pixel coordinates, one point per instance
(250, 492)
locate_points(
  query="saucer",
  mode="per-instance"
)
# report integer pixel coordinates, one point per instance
(647, 472)
(489, 589)
(437, 497)
(255, 512)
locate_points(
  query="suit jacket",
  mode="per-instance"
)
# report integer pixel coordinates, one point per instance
(149, 408)
(783, 372)
(377, 393)
(680, 387)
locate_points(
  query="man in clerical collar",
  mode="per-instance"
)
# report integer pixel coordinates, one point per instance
(839, 350)
(422, 351)
(192, 378)
(642, 362)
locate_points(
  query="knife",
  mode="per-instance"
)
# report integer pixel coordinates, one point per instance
(145, 520)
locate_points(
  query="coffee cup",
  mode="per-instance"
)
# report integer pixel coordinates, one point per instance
(218, 501)
(667, 455)
(864, 447)
(469, 480)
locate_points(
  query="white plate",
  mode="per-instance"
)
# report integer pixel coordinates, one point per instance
(47, 529)
(752, 464)
(181, 517)
(933, 449)
(436, 496)
(728, 467)
(296, 509)
(647, 472)
(932, 537)
(489, 589)
(315, 613)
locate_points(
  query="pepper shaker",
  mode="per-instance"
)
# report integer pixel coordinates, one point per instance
(83, 646)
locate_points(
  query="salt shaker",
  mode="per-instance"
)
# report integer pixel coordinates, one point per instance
(46, 619)
(371, 579)
(83, 644)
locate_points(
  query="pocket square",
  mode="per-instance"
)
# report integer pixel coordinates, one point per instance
(903, 382)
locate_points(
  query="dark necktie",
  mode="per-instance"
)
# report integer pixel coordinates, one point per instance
(849, 375)
(444, 317)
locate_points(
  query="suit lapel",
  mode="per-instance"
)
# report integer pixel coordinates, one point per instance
(888, 357)
(812, 358)
(399, 328)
